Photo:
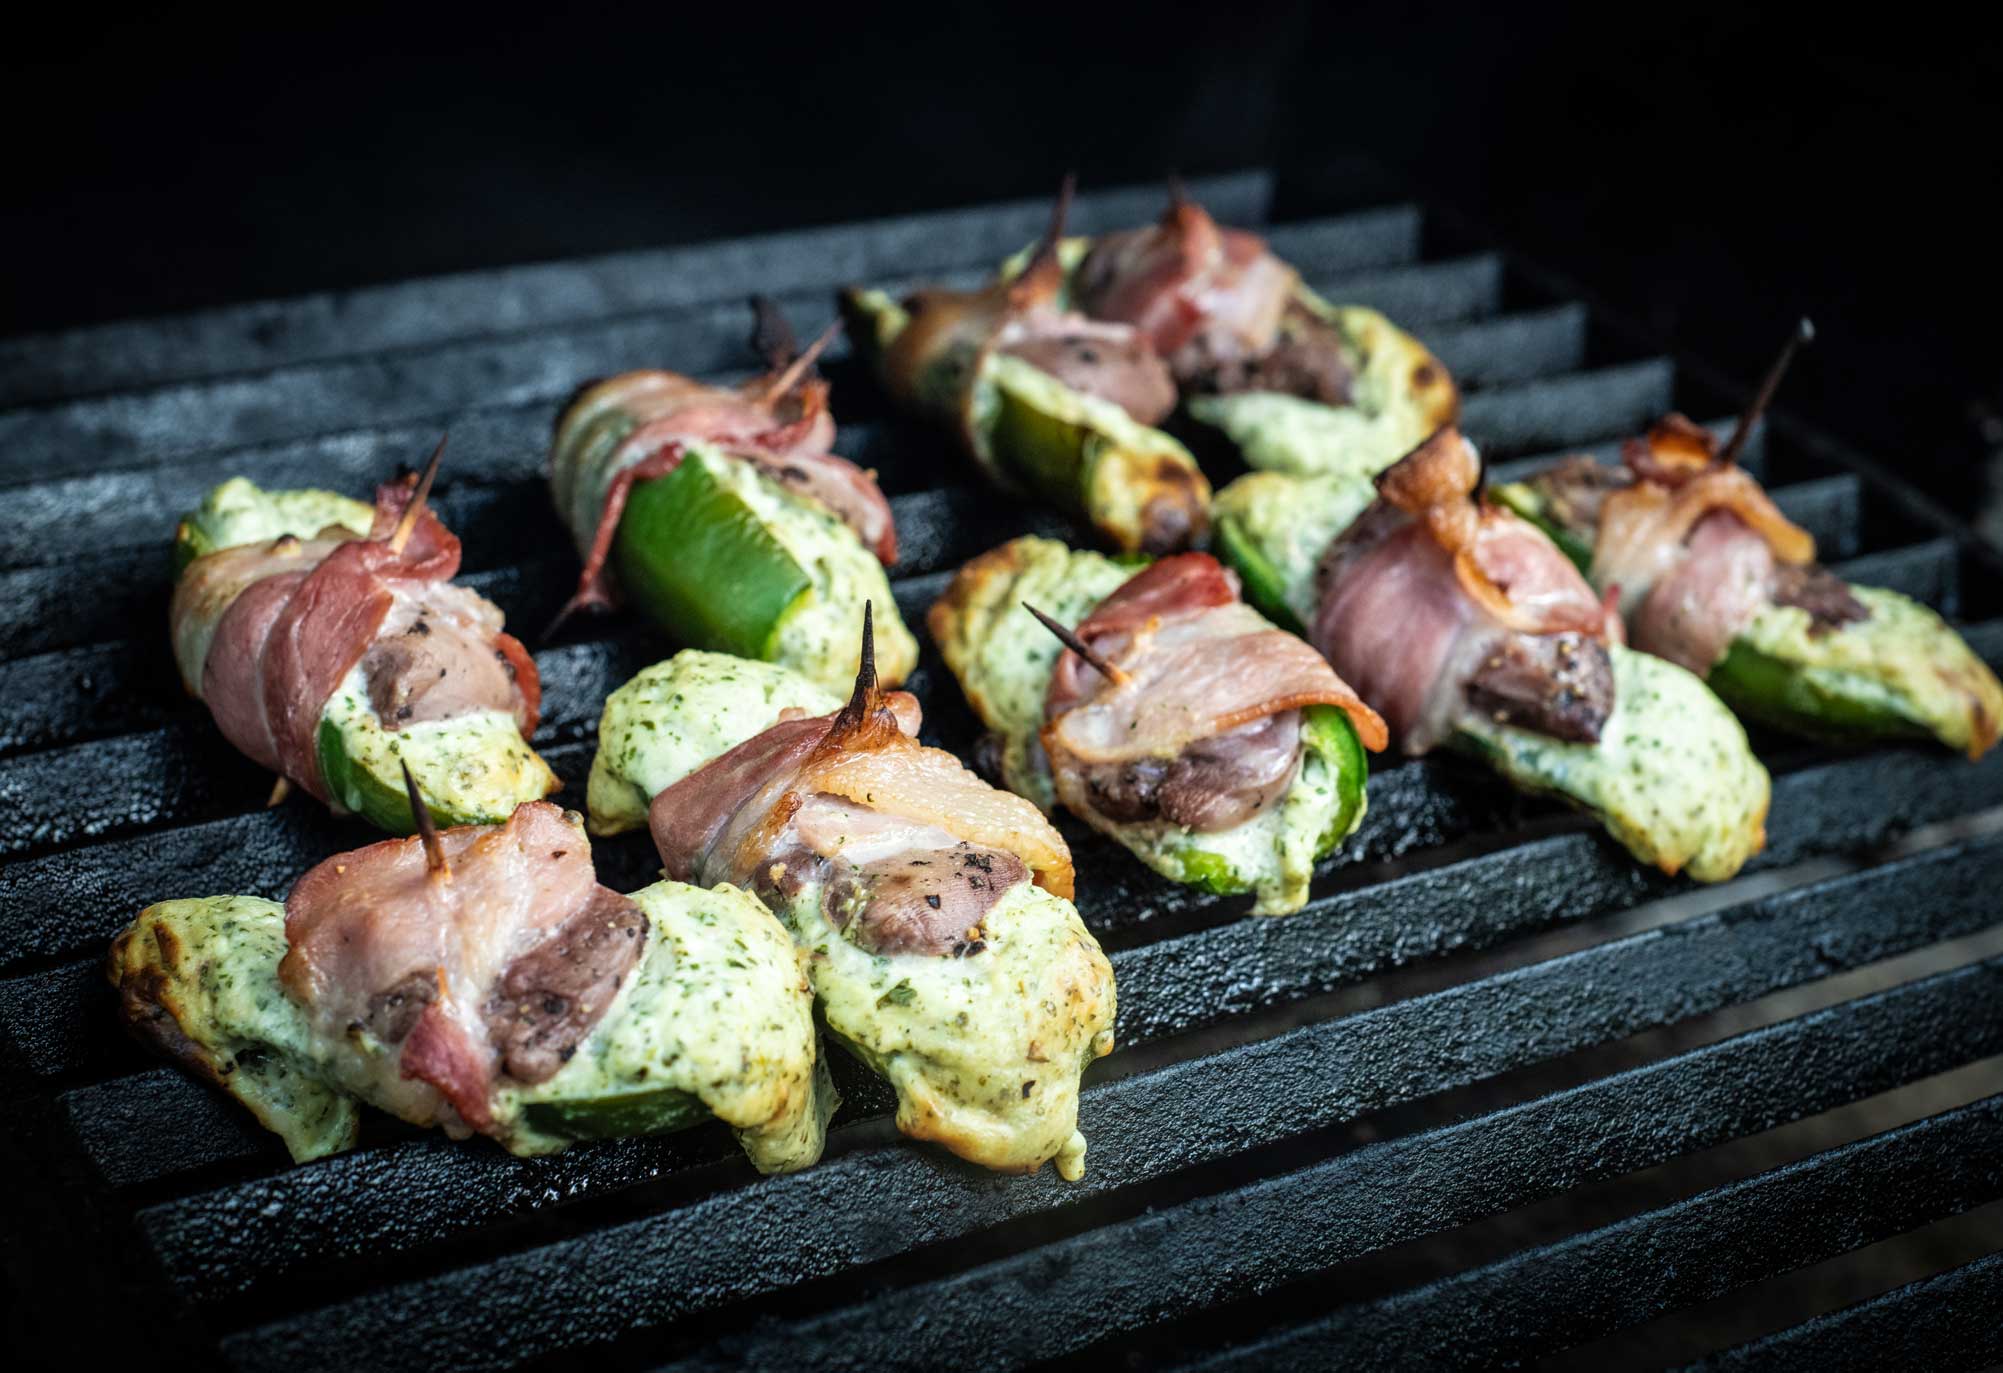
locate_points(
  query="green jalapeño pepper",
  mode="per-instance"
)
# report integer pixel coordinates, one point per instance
(733, 543)
(472, 762)
(1814, 656)
(1004, 660)
(1671, 776)
(1030, 429)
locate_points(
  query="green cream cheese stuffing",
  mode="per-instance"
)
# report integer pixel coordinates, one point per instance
(1903, 663)
(675, 716)
(1273, 528)
(473, 768)
(718, 1010)
(1672, 776)
(216, 960)
(984, 1052)
(241, 512)
(715, 1020)
(1004, 660)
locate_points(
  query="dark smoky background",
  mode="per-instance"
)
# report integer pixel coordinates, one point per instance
(1713, 173)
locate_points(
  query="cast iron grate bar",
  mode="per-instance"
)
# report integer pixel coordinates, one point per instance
(1145, 1127)
(1951, 1320)
(1212, 1250)
(1671, 1258)
(61, 906)
(370, 320)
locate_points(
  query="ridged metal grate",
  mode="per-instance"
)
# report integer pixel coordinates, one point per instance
(1237, 1181)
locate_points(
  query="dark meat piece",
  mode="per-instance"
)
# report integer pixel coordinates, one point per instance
(1825, 596)
(1217, 783)
(1556, 684)
(1124, 371)
(393, 1012)
(551, 996)
(1306, 361)
(929, 901)
(1127, 793)
(439, 665)
(1169, 522)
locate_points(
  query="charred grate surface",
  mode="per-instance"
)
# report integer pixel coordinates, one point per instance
(1486, 1008)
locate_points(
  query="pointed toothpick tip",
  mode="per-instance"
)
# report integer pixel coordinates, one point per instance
(401, 535)
(864, 698)
(1060, 213)
(1804, 333)
(865, 676)
(1112, 672)
(796, 371)
(280, 789)
(427, 830)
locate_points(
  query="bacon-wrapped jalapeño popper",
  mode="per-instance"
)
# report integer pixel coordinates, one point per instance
(677, 488)
(330, 644)
(1464, 625)
(1222, 751)
(1296, 383)
(480, 979)
(1710, 575)
(1047, 402)
(934, 910)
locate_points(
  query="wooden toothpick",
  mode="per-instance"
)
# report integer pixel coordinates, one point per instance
(427, 831)
(401, 534)
(783, 384)
(1111, 671)
(1804, 332)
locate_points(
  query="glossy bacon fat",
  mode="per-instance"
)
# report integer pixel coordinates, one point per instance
(1693, 547)
(1200, 725)
(1216, 303)
(491, 969)
(950, 333)
(1436, 603)
(911, 849)
(293, 617)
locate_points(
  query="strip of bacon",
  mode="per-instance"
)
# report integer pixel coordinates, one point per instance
(786, 433)
(304, 613)
(1435, 603)
(1191, 712)
(494, 971)
(1203, 295)
(757, 815)
(1199, 662)
(957, 331)
(1693, 545)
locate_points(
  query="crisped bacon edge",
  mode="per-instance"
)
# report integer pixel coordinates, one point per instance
(866, 754)
(367, 921)
(1680, 482)
(272, 669)
(1436, 483)
(1125, 626)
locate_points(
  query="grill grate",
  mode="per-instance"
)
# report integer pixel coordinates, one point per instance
(1229, 1190)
